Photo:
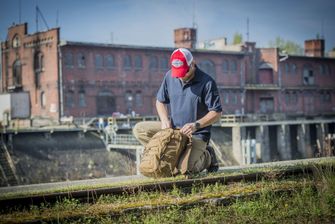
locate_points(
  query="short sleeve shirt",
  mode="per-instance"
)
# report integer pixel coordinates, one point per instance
(190, 101)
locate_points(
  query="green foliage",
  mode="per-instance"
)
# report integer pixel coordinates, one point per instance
(237, 39)
(288, 46)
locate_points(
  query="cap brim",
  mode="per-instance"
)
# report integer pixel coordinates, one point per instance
(178, 72)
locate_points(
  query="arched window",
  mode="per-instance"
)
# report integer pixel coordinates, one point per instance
(164, 63)
(129, 101)
(98, 61)
(209, 67)
(17, 73)
(69, 98)
(16, 41)
(68, 59)
(82, 98)
(225, 67)
(43, 99)
(81, 60)
(138, 99)
(138, 62)
(127, 62)
(233, 66)
(38, 62)
(153, 63)
(110, 62)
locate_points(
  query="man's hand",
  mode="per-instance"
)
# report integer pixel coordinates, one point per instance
(188, 129)
(166, 124)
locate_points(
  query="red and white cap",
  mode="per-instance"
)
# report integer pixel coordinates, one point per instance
(180, 60)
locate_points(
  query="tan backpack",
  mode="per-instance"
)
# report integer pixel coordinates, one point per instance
(161, 155)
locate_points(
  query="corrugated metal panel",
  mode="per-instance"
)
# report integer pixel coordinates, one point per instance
(20, 105)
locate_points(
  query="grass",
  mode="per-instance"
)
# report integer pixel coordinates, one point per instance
(302, 200)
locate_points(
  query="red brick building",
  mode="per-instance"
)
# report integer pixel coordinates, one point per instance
(91, 79)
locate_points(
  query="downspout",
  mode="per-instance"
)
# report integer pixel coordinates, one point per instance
(60, 81)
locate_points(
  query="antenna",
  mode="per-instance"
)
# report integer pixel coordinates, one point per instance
(248, 29)
(194, 24)
(57, 18)
(322, 28)
(19, 11)
(38, 12)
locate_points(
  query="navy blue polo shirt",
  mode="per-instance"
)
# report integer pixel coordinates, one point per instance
(190, 101)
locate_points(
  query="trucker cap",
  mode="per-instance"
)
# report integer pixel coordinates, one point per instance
(181, 60)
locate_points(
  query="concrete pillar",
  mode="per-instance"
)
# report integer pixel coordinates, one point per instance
(321, 132)
(262, 143)
(283, 142)
(304, 141)
(238, 134)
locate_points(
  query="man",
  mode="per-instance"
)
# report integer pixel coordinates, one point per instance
(194, 106)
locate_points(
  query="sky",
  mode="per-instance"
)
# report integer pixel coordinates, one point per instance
(151, 22)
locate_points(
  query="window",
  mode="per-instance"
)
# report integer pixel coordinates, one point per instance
(127, 62)
(153, 63)
(98, 61)
(291, 98)
(209, 67)
(325, 97)
(225, 67)
(233, 66)
(138, 62)
(110, 62)
(82, 98)
(234, 98)
(129, 101)
(16, 41)
(226, 98)
(163, 63)
(138, 99)
(287, 68)
(293, 68)
(17, 73)
(68, 59)
(81, 60)
(70, 98)
(43, 99)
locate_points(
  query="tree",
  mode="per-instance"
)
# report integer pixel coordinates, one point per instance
(237, 39)
(288, 46)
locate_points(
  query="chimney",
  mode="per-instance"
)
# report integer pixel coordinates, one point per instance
(315, 48)
(185, 37)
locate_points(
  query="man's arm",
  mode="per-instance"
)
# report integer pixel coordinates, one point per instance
(210, 118)
(163, 114)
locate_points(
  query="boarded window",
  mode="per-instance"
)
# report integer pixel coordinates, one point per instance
(308, 76)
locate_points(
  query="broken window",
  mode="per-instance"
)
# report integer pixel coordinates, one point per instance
(308, 77)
